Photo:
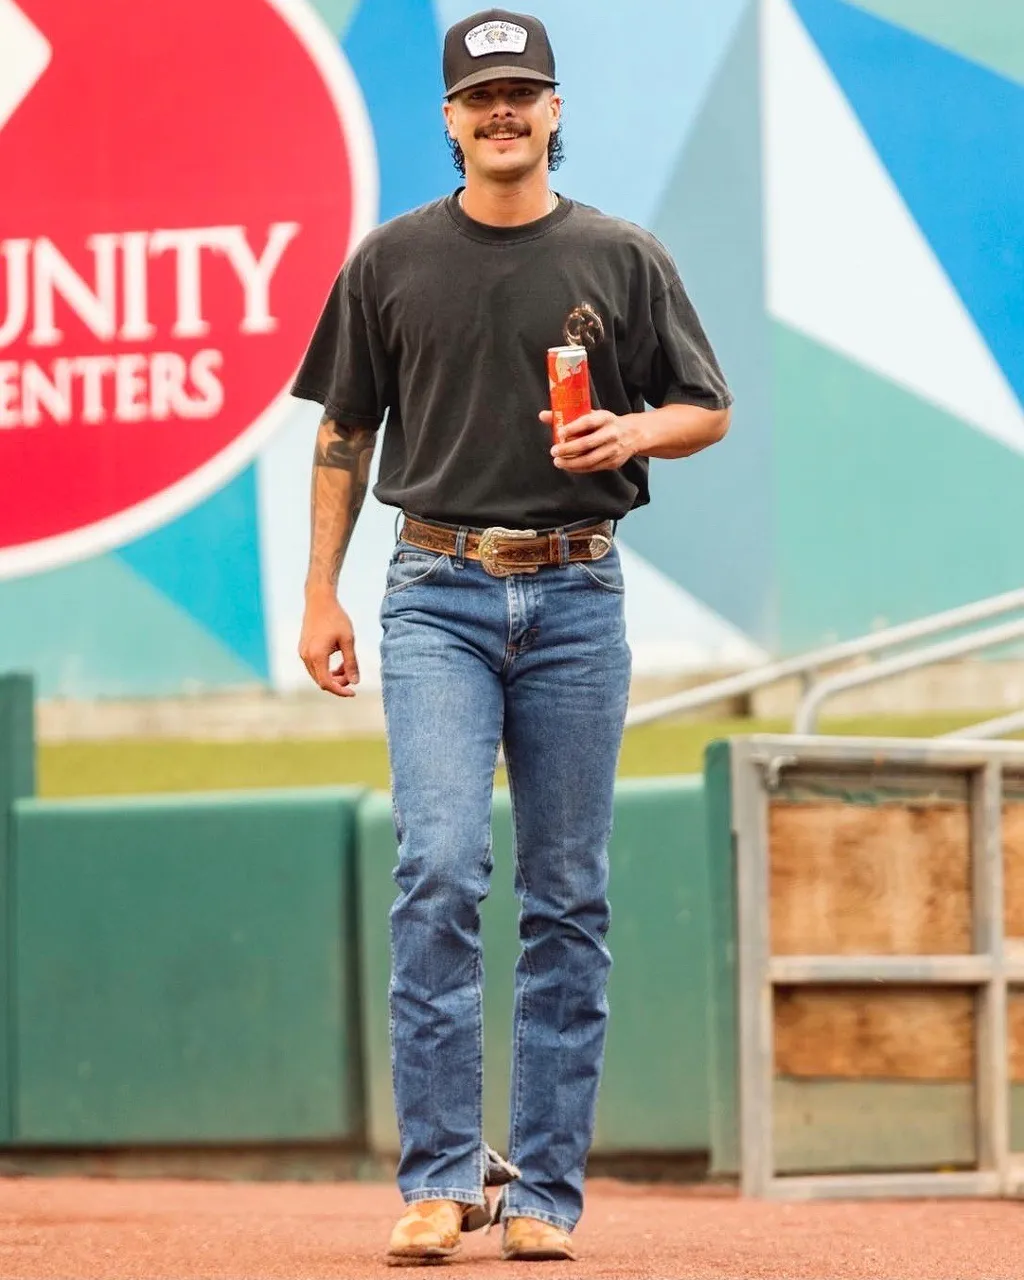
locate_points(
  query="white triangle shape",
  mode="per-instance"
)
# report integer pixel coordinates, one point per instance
(24, 55)
(847, 264)
(671, 631)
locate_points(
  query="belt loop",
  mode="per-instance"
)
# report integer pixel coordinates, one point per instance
(460, 547)
(399, 515)
(563, 548)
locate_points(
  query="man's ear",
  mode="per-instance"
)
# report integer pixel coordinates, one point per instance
(448, 111)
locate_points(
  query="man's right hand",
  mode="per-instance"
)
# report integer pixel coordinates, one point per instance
(327, 630)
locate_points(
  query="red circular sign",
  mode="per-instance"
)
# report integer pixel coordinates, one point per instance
(181, 182)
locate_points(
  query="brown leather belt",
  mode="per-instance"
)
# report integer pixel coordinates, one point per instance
(505, 551)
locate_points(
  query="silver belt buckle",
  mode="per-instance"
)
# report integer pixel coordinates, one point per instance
(488, 551)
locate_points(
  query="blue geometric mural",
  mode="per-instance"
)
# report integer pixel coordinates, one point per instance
(841, 183)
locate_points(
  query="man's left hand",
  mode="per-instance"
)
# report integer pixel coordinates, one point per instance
(596, 441)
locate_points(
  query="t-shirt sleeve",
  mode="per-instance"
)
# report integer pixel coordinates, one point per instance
(345, 367)
(677, 364)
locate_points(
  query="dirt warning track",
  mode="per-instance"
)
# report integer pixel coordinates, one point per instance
(114, 1230)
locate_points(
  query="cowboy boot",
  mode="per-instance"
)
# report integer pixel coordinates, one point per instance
(530, 1240)
(427, 1232)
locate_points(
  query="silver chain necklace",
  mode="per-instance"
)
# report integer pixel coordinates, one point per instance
(552, 206)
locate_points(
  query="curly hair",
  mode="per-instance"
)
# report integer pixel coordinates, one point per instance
(556, 152)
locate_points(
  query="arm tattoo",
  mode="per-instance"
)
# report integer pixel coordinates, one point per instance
(341, 473)
(343, 452)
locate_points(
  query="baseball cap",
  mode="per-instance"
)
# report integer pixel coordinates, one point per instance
(496, 45)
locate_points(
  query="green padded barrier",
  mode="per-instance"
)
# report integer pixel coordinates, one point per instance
(654, 1096)
(17, 780)
(17, 740)
(375, 854)
(186, 969)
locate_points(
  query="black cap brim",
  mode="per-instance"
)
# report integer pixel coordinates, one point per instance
(499, 73)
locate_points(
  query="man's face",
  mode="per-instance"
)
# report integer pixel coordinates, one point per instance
(503, 126)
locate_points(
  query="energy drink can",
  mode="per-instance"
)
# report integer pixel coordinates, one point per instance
(569, 384)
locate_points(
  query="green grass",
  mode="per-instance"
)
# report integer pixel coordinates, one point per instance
(133, 767)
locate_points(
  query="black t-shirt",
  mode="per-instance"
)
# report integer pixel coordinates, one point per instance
(443, 324)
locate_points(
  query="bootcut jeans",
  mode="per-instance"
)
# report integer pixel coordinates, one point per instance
(539, 662)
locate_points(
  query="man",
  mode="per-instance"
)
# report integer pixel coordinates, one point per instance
(503, 609)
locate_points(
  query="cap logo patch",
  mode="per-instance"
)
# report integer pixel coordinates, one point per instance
(495, 37)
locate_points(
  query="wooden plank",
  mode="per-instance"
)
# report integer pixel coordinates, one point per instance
(846, 1126)
(891, 879)
(1016, 1123)
(1013, 869)
(865, 784)
(857, 970)
(1015, 1035)
(862, 1033)
(858, 1033)
(885, 1186)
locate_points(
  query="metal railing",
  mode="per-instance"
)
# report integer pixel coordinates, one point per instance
(811, 703)
(806, 665)
(1012, 723)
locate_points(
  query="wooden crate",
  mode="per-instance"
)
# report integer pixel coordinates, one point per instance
(881, 925)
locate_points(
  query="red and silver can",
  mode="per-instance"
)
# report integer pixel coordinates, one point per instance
(569, 383)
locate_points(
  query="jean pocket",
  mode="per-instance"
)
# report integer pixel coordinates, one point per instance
(605, 573)
(410, 568)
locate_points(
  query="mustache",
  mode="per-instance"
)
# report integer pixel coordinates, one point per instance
(518, 127)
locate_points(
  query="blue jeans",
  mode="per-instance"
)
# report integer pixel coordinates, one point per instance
(539, 662)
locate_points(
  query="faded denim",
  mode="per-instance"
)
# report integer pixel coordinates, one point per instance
(539, 661)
